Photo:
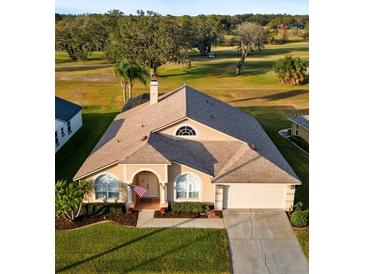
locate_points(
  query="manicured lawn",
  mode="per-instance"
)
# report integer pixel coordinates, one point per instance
(303, 238)
(257, 91)
(108, 248)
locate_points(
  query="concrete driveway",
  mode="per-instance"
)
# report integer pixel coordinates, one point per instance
(262, 241)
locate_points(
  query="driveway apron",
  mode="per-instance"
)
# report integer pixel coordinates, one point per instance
(262, 241)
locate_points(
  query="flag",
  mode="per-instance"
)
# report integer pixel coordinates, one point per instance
(139, 190)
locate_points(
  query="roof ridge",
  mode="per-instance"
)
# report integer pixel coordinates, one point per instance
(256, 156)
(165, 95)
(147, 144)
(231, 161)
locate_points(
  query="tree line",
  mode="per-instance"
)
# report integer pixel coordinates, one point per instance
(149, 40)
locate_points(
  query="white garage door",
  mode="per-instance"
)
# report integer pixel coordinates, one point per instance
(254, 196)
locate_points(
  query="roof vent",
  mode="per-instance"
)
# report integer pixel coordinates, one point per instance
(144, 138)
(212, 117)
(252, 146)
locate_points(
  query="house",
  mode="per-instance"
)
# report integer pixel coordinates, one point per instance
(68, 121)
(187, 146)
(300, 126)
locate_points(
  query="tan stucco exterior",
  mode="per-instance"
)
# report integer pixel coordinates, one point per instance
(203, 132)
(235, 195)
(302, 132)
(207, 189)
(125, 174)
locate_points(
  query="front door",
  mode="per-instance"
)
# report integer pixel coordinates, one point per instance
(150, 183)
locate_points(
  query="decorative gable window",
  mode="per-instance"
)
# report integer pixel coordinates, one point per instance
(106, 187)
(187, 187)
(69, 130)
(185, 131)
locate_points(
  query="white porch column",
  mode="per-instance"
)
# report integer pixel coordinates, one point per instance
(129, 202)
(163, 200)
(218, 205)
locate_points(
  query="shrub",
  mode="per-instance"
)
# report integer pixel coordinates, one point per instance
(300, 142)
(276, 41)
(69, 197)
(194, 207)
(97, 209)
(300, 218)
(291, 70)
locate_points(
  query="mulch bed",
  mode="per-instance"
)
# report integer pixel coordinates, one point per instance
(125, 219)
(171, 214)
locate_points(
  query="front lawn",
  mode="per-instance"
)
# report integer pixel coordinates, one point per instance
(303, 239)
(108, 248)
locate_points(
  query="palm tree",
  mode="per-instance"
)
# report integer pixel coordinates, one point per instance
(120, 72)
(135, 72)
(129, 71)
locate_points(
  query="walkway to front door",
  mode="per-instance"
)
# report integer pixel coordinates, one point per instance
(147, 203)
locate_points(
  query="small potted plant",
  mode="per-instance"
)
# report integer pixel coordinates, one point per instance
(163, 209)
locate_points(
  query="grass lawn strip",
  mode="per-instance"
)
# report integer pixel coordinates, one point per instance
(107, 248)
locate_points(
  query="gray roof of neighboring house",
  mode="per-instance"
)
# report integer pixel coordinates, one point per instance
(302, 121)
(65, 110)
(131, 139)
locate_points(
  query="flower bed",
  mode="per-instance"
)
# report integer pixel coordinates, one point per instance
(94, 213)
(173, 214)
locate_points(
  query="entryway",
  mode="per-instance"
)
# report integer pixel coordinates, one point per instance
(151, 199)
(147, 203)
(149, 181)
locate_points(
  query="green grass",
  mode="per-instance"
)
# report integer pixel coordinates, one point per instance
(62, 57)
(108, 248)
(303, 239)
(257, 90)
(92, 83)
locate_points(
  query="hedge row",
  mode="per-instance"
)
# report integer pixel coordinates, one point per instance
(300, 142)
(194, 207)
(97, 209)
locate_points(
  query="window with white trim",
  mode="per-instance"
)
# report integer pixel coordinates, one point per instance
(187, 187)
(185, 131)
(69, 130)
(62, 132)
(106, 187)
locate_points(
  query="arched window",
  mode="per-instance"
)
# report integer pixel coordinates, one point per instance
(106, 187)
(185, 131)
(187, 187)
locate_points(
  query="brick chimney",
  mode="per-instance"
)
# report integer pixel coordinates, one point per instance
(153, 91)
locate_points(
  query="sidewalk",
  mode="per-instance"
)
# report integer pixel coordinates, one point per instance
(145, 219)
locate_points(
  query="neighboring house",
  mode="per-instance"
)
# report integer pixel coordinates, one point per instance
(187, 146)
(68, 121)
(300, 126)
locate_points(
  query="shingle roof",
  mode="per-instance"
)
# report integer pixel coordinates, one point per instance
(65, 110)
(130, 139)
(135, 101)
(302, 121)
